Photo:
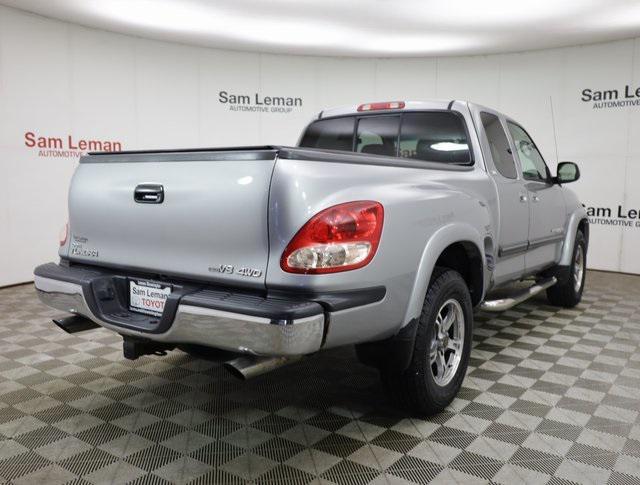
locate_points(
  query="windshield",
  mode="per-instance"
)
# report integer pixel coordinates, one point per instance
(435, 136)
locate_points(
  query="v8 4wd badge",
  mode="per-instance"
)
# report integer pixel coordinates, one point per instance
(230, 269)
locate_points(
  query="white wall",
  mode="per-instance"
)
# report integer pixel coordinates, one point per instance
(58, 79)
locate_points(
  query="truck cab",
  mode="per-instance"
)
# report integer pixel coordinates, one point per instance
(531, 211)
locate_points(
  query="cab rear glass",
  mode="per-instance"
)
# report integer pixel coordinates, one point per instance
(330, 134)
(434, 136)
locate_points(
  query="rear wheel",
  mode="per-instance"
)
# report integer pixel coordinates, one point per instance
(568, 293)
(442, 347)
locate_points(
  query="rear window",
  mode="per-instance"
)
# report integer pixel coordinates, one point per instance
(378, 135)
(330, 134)
(435, 136)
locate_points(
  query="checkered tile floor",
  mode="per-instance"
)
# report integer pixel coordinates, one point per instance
(551, 396)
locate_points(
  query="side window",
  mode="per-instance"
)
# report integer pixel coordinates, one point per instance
(330, 134)
(499, 145)
(378, 135)
(435, 137)
(533, 166)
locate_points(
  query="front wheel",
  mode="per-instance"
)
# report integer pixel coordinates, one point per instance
(568, 293)
(442, 347)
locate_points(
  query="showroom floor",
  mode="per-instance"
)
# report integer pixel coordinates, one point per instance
(551, 396)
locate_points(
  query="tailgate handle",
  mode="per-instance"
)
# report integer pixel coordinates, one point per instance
(149, 194)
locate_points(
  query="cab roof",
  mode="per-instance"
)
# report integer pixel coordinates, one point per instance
(381, 107)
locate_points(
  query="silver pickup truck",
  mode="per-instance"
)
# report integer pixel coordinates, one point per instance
(384, 228)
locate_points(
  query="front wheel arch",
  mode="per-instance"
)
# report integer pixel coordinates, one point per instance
(566, 292)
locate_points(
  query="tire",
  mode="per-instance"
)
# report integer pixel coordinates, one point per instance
(568, 293)
(422, 387)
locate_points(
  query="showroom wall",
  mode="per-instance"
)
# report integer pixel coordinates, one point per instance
(65, 88)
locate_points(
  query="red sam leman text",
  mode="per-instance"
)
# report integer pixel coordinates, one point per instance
(57, 143)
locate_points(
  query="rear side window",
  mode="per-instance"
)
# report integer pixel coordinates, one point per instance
(378, 135)
(434, 137)
(330, 134)
(499, 146)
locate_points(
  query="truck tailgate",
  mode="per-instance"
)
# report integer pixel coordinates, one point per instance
(211, 223)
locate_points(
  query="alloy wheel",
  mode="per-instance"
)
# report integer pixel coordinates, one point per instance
(445, 350)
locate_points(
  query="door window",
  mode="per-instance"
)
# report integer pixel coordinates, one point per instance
(533, 166)
(499, 146)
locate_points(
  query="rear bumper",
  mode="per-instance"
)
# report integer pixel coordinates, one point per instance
(234, 321)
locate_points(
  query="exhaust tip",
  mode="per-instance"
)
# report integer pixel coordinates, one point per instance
(234, 371)
(75, 323)
(248, 366)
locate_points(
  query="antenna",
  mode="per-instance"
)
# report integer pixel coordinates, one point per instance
(553, 123)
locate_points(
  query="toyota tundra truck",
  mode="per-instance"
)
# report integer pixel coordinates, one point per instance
(385, 228)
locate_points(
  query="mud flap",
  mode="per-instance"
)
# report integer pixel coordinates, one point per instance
(393, 354)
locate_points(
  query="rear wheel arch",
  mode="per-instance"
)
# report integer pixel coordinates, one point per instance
(466, 258)
(442, 247)
(441, 344)
(443, 252)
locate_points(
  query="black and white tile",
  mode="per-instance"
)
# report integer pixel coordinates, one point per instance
(551, 396)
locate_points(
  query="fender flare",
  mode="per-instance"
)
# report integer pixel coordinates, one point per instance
(575, 218)
(438, 242)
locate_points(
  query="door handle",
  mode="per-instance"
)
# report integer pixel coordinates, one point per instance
(149, 194)
(535, 198)
(523, 198)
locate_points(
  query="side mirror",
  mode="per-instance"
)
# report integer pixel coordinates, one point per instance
(567, 172)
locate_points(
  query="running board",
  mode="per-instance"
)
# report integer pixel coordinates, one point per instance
(506, 303)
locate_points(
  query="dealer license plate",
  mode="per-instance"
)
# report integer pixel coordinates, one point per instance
(148, 297)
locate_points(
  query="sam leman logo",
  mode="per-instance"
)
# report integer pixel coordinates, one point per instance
(618, 216)
(259, 103)
(67, 146)
(612, 98)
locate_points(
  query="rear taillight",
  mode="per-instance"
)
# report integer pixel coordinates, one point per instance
(340, 238)
(64, 234)
(379, 106)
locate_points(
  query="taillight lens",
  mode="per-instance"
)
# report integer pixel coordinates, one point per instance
(64, 234)
(340, 238)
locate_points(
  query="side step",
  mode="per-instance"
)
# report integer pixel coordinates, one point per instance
(75, 323)
(517, 298)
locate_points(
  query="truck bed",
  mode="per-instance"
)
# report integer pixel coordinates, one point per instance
(266, 152)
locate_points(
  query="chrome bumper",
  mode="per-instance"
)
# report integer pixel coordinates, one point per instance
(203, 326)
